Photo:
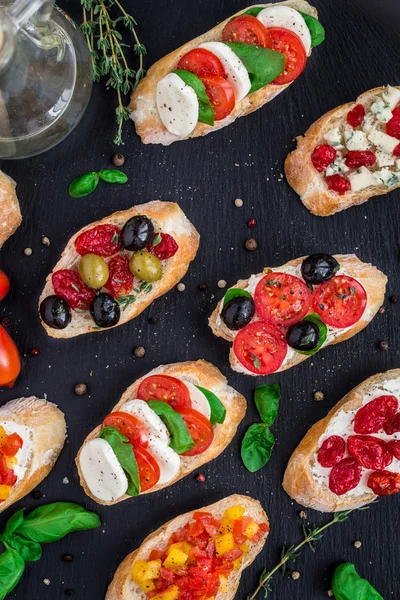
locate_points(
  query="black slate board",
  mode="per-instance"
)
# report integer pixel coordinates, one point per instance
(205, 176)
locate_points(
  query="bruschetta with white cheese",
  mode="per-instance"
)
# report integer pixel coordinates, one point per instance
(352, 456)
(167, 424)
(280, 317)
(9, 208)
(350, 154)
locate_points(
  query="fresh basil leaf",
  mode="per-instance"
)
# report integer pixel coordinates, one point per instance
(84, 185)
(181, 440)
(323, 332)
(218, 410)
(51, 522)
(206, 113)
(113, 176)
(234, 293)
(124, 452)
(257, 446)
(348, 585)
(253, 11)
(30, 551)
(13, 523)
(266, 398)
(12, 567)
(316, 30)
(263, 65)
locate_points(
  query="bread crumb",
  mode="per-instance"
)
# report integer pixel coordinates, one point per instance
(318, 396)
(295, 575)
(357, 544)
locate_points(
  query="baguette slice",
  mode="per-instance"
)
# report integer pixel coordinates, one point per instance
(170, 219)
(9, 208)
(298, 481)
(123, 587)
(373, 281)
(200, 373)
(311, 185)
(143, 100)
(48, 428)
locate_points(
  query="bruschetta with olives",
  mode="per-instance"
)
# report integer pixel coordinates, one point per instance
(113, 269)
(350, 154)
(352, 456)
(226, 73)
(168, 423)
(32, 435)
(280, 317)
(207, 549)
(9, 208)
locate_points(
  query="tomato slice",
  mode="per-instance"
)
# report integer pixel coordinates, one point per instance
(149, 470)
(221, 95)
(165, 388)
(130, 426)
(200, 429)
(12, 444)
(202, 63)
(260, 347)
(247, 29)
(10, 364)
(340, 302)
(288, 43)
(282, 299)
(4, 285)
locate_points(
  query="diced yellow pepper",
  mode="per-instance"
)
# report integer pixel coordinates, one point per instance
(184, 546)
(3, 435)
(5, 491)
(171, 593)
(251, 530)
(176, 559)
(235, 512)
(144, 572)
(237, 563)
(11, 461)
(245, 548)
(226, 525)
(224, 543)
(223, 584)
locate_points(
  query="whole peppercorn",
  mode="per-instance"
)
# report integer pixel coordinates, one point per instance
(252, 223)
(383, 346)
(45, 241)
(28, 251)
(357, 544)
(118, 160)
(201, 477)
(5, 322)
(34, 351)
(393, 299)
(139, 351)
(80, 389)
(154, 320)
(69, 592)
(181, 287)
(68, 558)
(238, 202)
(381, 310)
(221, 284)
(295, 575)
(251, 244)
(202, 286)
(36, 494)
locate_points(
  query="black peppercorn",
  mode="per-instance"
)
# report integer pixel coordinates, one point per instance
(37, 494)
(154, 320)
(383, 346)
(118, 160)
(68, 558)
(202, 286)
(69, 592)
(393, 299)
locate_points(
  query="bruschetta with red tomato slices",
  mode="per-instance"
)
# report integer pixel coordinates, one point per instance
(280, 317)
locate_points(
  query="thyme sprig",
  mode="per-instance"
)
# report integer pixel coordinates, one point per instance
(108, 51)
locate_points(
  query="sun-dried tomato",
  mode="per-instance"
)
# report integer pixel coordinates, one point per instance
(371, 417)
(345, 476)
(369, 452)
(164, 246)
(393, 126)
(338, 183)
(357, 158)
(356, 116)
(322, 156)
(104, 240)
(394, 448)
(69, 285)
(384, 483)
(120, 279)
(393, 425)
(331, 451)
(396, 151)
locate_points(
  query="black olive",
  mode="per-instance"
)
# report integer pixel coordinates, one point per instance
(319, 268)
(303, 336)
(137, 233)
(238, 312)
(105, 310)
(55, 312)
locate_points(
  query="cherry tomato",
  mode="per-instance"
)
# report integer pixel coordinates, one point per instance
(282, 299)
(221, 95)
(165, 388)
(10, 364)
(331, 451)
(369, 452)
(344, 476)
(149, 470)
(247, 29)
(288, 43)
(200, 429)
(4, 285)
(340, 302)
(260, 347)
(338, 183)
(202, 63)
(323, 155)
(371, 417)
(12, 444)
(129, 426)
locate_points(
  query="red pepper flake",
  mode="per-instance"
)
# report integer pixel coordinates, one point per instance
(252, 223)
(201, 477)
(34, 352)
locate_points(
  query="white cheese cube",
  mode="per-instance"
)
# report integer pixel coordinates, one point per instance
(387, 177)
(368, 123)
(398, 164)
(334, 138)
(384, 159)
(355, 140)
(381, 110)
(391, 96)
(338, 166)
(361, 179)
(383, 140)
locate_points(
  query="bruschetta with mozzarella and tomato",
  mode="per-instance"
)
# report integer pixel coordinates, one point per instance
(226, 73)
(352, 456)
(204, 549)
(32, 435)
(350, 154)
(9, 208)
(167, 424)
(280, 317)
(113, 269)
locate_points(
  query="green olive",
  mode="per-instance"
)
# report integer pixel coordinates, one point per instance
(145, 266)
(94, 271)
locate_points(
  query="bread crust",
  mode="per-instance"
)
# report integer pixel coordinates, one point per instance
(169, 217)
(298, 481)
(373, 280)
(9, 208)
(143, 100)
(122, 586)
(48, 427)
(311, 185)
(208, 376)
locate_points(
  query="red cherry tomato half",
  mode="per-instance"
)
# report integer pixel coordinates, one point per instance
(371, 417)
(337, 183)
(322, 156)
(166, 247)
(165, 388)
(149, 470)
(356, 116)
(129, 426)
(331, 451)
(4, 285)
(10, 364)
(221, 95)
(289, 44)
(384, 483)
(13, 443)
(260, 347)
(282, 299)
(200, 429)
(202, 63)
(340, 302)
(369, 452)
(103, 240)
(344, 476)
(247, 29)
(393, 126)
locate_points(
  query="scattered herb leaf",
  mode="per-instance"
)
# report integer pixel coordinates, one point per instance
(266, 398)
(257, 446)
(348, 585)
(234, 293)
(84, 185)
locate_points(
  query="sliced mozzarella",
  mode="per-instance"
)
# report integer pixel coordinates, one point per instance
(177, 104)
(361, 179)
(289, 18)
(152, 422)
(167, 459)
(391, 96)
(199, 401)
(102, 471)
(334, 137)
(383, 158)
(236, 72)
(383, 140)
(381, 110)
(355, 140)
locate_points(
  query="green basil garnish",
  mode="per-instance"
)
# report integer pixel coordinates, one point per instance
(257, 446)
(323, 332)
(253, 11)
(28, 550)
(263, 65)
(84, 185)
(13, 523)
(234, 293)
(316, 30)
(206, 113)
(181, 440)
(267, 399)
(348, 585)
(113, 176)
(124, 452)
(218, 410)
(12, 567)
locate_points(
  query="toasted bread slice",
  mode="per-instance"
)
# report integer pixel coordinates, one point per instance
(123, 587)
(169, 218)
(143, 100)
(200, 373)
(9, 208)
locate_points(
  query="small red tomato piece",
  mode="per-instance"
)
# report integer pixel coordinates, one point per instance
(69, 285)
(247, 29)
(120, 279)
(331, 451)
(393, 126)
(130, 426)
(7, 475)
(359, 158)
(322, 156)
(369, 452)
(394, 447)
(384, 483)
(345, 476)
(4, 285)
(220, 94)
(164, 246)
(10, 364)
(372, 416)
(393, 425)
(103, 240)
(356, 116)
(396, 151)
(12, 444)
(202, 63)
(338, 184)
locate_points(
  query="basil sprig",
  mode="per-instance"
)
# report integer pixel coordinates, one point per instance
(323, 332)
(123, 450)
(348, 585)
(87, 183)
(263, 65)
(181, 440)
(206, 113)
(234, 293)
(218, 410)
(12, 567)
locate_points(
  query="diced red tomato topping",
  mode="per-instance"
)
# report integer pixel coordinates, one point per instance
(357, 158)
(120, 279)
(371, 417)
(130, 426)
(384, 483)
(338, 183)
(163, 246)
(69, 285)
(288, 43)
(200, 429)
(282, 299)
(202, 63)
(221, 95)
(7, 475)
(247, 29)
(260, 347)
(356, 116)
(393, 425)
(331, 451)
(166, 389)
(393, 126)
(103, 240)
(340, 302)
(12, 444)
(149, 470)
(322, 156)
